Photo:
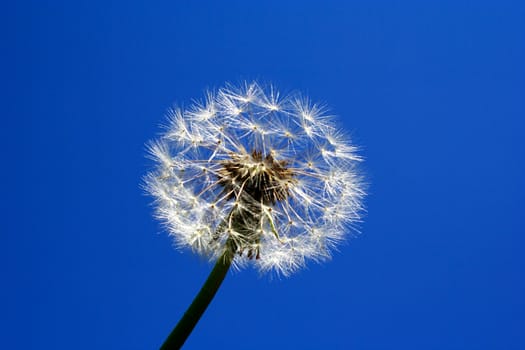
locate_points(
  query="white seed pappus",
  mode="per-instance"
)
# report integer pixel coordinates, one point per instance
(270, 177)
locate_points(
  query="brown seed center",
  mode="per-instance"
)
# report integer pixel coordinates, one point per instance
(265, 179)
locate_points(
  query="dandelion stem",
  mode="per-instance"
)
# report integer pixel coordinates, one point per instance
(189, 320)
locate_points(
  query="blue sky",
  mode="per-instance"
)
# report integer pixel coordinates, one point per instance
(432, 91)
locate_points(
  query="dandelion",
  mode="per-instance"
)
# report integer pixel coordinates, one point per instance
(249, 177)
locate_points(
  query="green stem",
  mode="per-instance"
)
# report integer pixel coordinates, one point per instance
(183, 329)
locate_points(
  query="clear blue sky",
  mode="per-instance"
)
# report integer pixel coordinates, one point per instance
(433, 91)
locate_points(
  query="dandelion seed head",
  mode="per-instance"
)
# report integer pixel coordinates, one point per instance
(269, 177)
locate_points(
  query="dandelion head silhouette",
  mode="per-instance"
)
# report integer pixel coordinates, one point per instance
(270, 178)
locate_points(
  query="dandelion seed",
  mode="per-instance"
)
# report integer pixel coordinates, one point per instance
(272, 179)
